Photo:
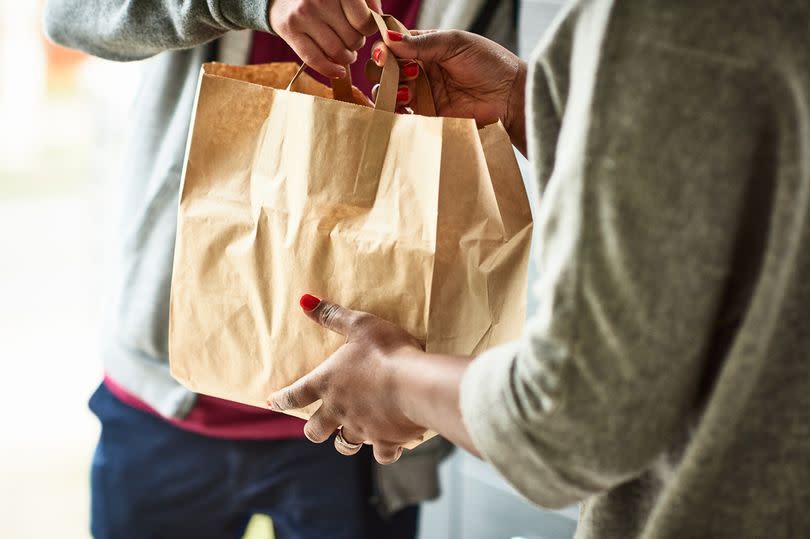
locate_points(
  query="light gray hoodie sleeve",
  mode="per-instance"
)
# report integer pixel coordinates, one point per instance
(126, 30)
(638, 226)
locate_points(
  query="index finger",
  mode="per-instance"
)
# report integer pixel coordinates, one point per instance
(330, 315)
(358, 13)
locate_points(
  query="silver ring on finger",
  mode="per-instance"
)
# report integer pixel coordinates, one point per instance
(340, 440)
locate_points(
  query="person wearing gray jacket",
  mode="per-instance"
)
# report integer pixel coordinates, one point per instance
(170, 463)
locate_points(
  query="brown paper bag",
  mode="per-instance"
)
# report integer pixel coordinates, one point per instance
(423, 221)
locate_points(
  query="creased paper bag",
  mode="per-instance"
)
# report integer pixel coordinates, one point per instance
(421, 220)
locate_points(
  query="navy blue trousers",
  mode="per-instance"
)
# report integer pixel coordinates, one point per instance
(151, 480)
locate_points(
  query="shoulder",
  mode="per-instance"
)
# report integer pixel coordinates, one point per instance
(736, 33)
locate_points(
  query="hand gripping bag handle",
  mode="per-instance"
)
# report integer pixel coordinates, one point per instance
(389, 80)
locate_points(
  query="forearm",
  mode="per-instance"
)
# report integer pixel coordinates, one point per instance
(426, 387)
(136, 29)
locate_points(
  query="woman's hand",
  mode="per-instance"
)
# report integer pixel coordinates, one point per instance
(324, 33)
(470, 76)
(357, 384)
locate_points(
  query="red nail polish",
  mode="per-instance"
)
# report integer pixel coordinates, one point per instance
(394, 36)
(411, 69)
(403, 94)
(308, 302)
(377, 53)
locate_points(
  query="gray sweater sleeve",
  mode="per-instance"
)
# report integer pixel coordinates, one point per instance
(638, 227)
(137, 29)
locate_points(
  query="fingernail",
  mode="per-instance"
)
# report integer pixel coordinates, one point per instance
(403, 94)
(271, 403)
(411, 69)
(340, 72)
(308, 302)
(377, 53)
(394, 36)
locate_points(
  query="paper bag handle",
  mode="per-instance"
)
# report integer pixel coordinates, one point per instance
(389, 80)
(341, 88)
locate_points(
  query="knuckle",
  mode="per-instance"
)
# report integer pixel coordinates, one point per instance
(284, 28)
(288, 401)
(364, 320)
(421, 41)
(338, 410)
(293, 21)
(319, 382)
(358, 43)
(342, 55)
(329, 315)
(455, 36)
(313, 432)
(303, 11)
(320, 64)
(353, 436)
(453, 41)
(360, 432)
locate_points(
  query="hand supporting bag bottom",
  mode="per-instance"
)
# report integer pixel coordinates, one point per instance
(421, 220)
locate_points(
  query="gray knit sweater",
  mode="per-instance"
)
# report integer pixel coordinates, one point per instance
(665, 377)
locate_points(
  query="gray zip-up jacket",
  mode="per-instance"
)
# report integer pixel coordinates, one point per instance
(181, 35)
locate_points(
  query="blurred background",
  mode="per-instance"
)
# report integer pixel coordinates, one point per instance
(63, 123)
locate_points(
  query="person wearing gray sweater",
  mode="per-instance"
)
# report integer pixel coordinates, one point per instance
(664, 380)
(170, 463)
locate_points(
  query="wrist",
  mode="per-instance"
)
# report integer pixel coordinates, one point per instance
(424, 386)
(403, 365)
(515, 121)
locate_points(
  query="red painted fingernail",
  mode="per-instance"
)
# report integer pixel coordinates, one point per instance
(411, 69)
(308, 302)
(394, 36)
(377, 53)
(403, 94)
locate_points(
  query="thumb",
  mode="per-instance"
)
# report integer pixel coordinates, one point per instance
(330, 315)
(426, 46)
(375, 5)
